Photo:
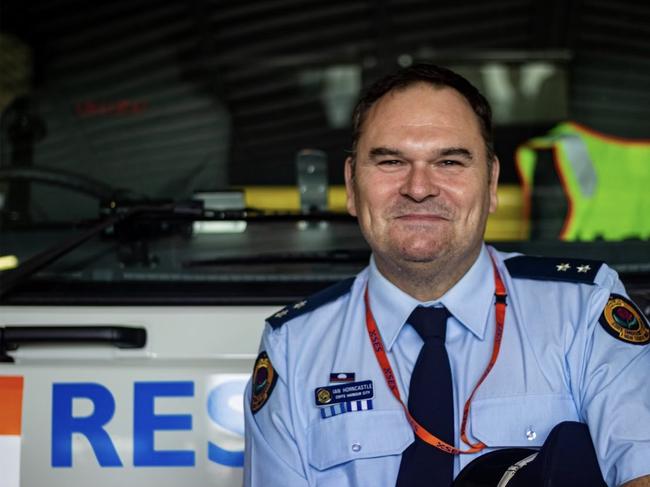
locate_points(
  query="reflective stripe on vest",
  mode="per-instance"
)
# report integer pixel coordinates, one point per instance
(581, 164)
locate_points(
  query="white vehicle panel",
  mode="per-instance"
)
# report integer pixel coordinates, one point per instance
(168, 414)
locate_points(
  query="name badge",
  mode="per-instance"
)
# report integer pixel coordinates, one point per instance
(354, 391)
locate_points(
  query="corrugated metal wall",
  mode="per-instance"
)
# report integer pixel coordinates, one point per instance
(117, 103)
(169, 97)
(610, 88)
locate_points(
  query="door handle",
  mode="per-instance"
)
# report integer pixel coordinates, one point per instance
(125, 337)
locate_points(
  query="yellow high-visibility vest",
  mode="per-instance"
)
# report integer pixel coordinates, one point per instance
(605, 179)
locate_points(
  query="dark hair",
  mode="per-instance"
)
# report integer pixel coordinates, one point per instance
(432, 75)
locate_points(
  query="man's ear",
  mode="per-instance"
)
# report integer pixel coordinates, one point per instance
(349, 186)
(494, 183)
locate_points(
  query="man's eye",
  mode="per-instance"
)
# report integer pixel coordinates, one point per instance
(450, 162)
(390, 162)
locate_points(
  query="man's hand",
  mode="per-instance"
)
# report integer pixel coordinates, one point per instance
(638, 482)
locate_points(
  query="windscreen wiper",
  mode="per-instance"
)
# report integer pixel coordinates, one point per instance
(255, 215)
(120, 218)
(9, 279)
(337, 256)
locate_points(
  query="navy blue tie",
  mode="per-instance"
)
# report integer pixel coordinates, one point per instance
(431, 403)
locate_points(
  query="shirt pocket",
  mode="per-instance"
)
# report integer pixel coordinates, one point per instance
(519, 421)
(357, 435)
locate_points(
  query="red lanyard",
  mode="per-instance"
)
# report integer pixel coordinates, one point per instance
(380, 353)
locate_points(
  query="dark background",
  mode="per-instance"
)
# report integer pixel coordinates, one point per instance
(170, 97)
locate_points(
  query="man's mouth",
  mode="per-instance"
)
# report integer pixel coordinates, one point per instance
(421, 217)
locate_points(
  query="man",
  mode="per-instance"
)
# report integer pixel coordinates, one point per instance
(426, 324)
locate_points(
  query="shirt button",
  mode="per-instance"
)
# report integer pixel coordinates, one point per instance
(530, 434)
(356, 447)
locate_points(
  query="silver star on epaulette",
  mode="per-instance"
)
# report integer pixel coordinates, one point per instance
(563, 267)
(584, 268)
(281, 313)
(299, 305)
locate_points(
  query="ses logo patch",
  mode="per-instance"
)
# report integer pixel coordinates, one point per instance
(222, 407)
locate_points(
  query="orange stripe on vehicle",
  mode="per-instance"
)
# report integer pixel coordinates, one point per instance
(11, 405)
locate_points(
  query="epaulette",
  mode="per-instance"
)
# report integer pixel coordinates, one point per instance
(312, 302)
(553, 268)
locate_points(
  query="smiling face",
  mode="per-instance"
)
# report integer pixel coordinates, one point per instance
(420, 185)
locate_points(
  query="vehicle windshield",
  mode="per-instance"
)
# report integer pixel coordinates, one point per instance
(214, 134)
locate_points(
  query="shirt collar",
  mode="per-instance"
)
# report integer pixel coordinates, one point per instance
(391, 306)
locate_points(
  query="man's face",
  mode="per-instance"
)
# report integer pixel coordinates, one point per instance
(420, 185)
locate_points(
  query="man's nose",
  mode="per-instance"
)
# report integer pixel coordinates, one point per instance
(420, 182)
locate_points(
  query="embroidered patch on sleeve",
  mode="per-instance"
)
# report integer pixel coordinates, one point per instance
(264, 379)
(623, 320)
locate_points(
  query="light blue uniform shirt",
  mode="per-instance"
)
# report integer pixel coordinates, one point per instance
(557, 363)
